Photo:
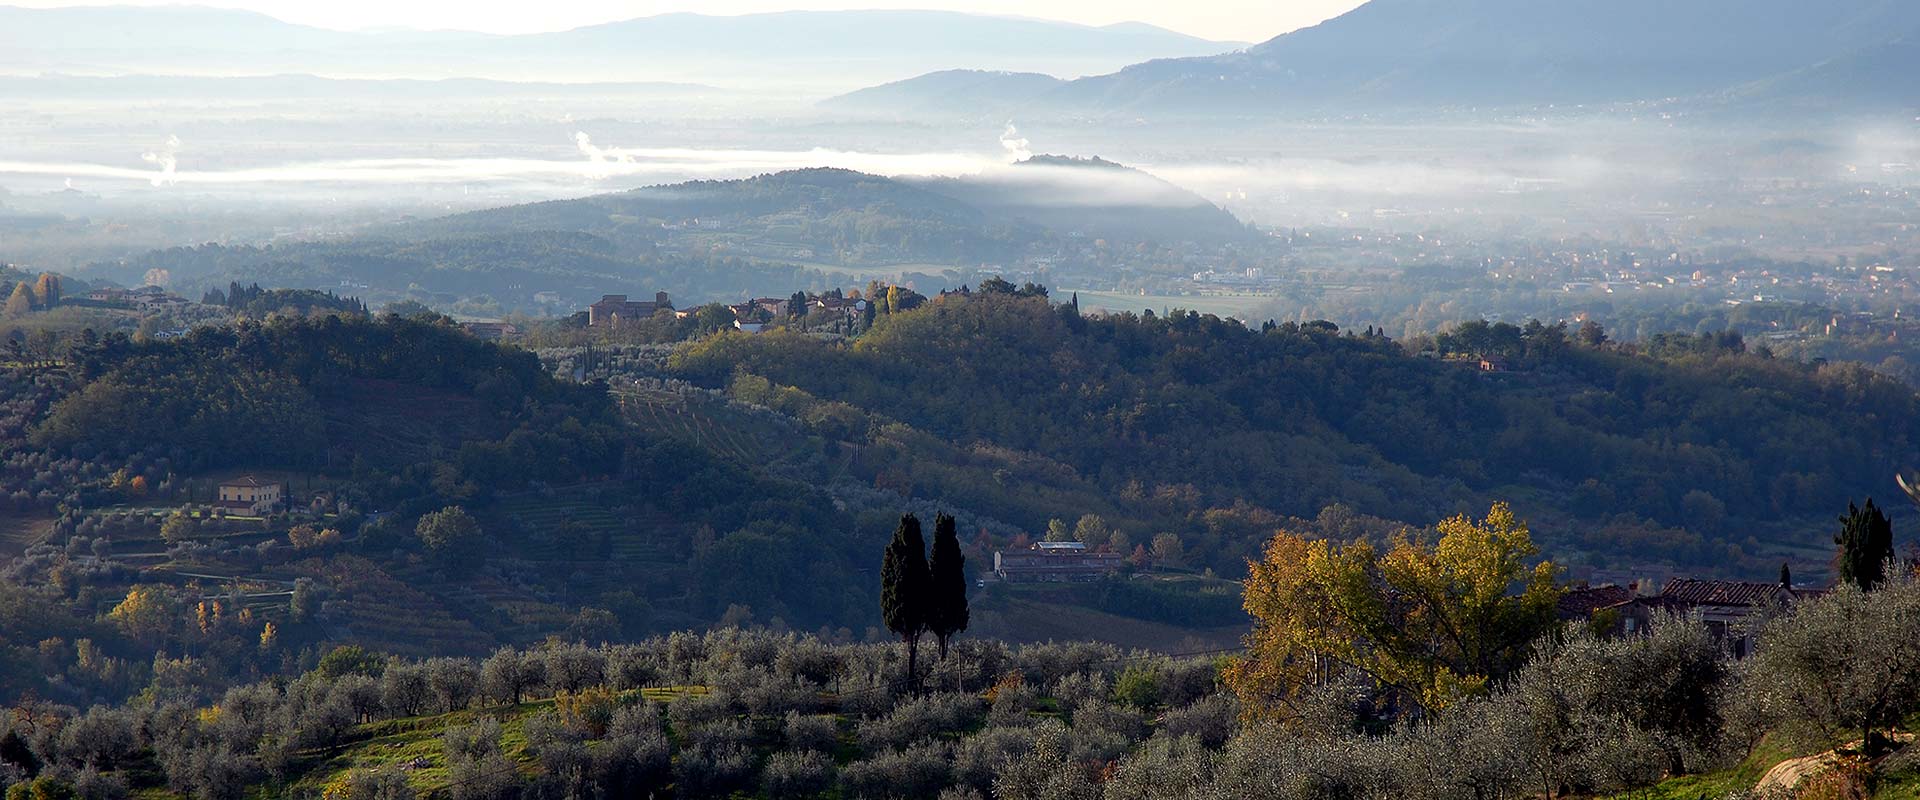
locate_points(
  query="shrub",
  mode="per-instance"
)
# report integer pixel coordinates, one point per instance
(1211, 721)
(979, 758)
(922, 719)
(817, 732)
(1138, 686)
(908, 775)
(797, 774)
(716, 761)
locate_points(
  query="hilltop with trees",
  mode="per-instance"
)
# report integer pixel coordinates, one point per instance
(1702, 455)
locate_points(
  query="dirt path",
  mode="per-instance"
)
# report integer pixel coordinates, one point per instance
(1788, 776)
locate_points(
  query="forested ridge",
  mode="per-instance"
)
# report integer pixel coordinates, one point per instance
(1683, 454)
(112, 456)
(490, 268)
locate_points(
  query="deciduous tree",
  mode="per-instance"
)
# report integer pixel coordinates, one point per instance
(449, 530)
(47, 290)
(178, 527)
(1431, 622)
(20, 303)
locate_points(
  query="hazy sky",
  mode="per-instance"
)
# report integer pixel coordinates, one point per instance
(1234, 20)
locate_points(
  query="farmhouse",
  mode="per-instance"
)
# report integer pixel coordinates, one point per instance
(1054, 562)
(842, 304)
(250, 494)
(1730, 609)
(614, 309)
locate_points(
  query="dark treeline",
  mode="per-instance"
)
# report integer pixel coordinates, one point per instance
(257, 302)
(504, 270)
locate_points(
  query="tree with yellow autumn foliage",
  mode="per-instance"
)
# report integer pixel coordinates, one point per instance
(146, 613)
(1429, 621)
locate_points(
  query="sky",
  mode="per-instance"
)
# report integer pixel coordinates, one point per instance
(1224, 20)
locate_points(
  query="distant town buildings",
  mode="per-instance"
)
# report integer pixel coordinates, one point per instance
(615, 309)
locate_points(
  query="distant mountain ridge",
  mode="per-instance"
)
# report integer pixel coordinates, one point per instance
(984, 92)
(834, 50)
(1427, 53)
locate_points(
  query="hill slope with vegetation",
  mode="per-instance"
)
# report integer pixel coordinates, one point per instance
(1702, 455)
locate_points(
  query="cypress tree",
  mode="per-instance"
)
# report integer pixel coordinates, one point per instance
(1865, 545)
(948, 568)
(905, 588)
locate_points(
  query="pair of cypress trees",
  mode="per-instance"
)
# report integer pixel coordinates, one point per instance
(921, 595)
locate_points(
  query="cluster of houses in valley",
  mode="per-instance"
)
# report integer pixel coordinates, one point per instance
(752, 316)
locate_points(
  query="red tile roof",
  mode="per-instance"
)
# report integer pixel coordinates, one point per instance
(1582, 602)
(1694, 591)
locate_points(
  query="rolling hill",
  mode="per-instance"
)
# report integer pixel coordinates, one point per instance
(852, 217)
(706, 240)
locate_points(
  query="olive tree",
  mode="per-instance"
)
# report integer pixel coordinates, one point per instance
(1845, 664)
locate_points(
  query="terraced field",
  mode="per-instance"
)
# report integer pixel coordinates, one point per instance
(706, 422)
(635, 536)
(21, 531)
(378, 608)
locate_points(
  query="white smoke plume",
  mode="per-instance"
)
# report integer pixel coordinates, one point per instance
(1015, 144)
(158, 276)
(167, 159)
(598, 154)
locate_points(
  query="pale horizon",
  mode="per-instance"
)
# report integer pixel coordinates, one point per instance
(1219, 20)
